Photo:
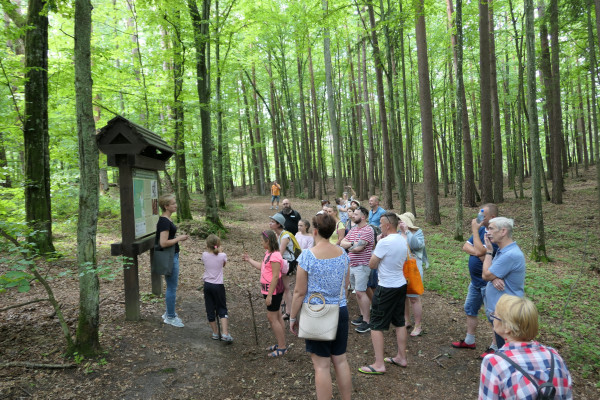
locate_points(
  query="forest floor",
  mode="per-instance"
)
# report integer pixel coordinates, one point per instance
(151, 360)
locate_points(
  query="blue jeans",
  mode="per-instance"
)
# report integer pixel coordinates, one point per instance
(171, 292)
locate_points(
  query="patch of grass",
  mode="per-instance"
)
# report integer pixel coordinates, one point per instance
(565, 291)
(168, 370)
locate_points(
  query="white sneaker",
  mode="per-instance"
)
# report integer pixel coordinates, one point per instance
(277, 207)
(164, 316)
(226, 338)
(271, 207)
(175, 321)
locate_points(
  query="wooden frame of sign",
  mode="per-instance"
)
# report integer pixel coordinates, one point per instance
(139, 154)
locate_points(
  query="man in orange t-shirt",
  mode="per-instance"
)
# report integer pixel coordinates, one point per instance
(275, 191)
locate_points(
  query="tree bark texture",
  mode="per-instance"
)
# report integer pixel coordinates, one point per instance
(538, 252)
(339, 185)
(87, 338)
(201, 38)
(497, 131)
(181, 186)
(35, 129)
(432, 210)
(486, 177)
(383, 122)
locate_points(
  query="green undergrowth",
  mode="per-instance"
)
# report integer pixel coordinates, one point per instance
(565, 291)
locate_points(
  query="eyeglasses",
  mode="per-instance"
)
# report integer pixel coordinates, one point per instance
(493, 316)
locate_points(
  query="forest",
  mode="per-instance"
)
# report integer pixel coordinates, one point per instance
(435, 106)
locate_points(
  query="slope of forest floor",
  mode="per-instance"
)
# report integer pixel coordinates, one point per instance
(150, 360)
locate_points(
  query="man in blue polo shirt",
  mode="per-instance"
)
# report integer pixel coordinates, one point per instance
(476, 250)
(376, 212)
(504, 271)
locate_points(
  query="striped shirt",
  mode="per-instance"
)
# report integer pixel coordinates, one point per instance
(365, 233)
(500, 380)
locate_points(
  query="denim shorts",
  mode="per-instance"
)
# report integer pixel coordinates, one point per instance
(273, 198)
(335, 347)
(359, 276)
(475, 299)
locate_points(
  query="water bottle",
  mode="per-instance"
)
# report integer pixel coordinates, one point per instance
(480, 216)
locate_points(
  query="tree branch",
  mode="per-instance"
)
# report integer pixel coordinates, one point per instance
(22, 304)
(12, 10)
(32, 268)
(35, 365)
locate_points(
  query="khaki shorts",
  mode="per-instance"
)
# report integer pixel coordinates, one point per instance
(359, 276)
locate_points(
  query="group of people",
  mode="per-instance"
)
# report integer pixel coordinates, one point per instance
(346, 246)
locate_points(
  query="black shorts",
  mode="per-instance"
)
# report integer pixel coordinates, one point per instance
(292, 267)
(275, 302)
(214, 299)
(335, 347)
(387, 306)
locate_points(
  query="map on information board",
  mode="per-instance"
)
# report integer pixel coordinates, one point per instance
(145, 201)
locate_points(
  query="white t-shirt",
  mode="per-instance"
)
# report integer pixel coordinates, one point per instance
(392, 252)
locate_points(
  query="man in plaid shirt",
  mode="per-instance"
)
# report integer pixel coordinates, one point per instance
(516, 319)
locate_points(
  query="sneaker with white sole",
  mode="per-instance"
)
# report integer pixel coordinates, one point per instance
(357, 321)
(164, 316)
(215, 336)
(364, 327)
(175, 321)
(226, 338)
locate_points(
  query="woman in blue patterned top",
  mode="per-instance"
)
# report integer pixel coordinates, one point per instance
(324, 269)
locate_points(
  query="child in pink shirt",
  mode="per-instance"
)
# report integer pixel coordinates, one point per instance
(214, 289)
(305, 239)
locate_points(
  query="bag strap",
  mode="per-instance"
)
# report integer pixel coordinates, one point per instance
(525, 374)
(344, 279)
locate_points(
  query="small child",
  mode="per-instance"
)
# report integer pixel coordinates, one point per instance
(214, 289)
(305, 239)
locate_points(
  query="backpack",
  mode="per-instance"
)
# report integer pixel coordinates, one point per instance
(545, 391)
(376, 232)
(297, 250)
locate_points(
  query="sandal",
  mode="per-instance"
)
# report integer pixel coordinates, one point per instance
(416, 332)
(286, 316)
(272, 348)
(278, 352)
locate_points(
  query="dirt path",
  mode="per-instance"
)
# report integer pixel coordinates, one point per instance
(150, 360)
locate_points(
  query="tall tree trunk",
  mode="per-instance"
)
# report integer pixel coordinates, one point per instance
(181, 185)
(305, 153)
(469, 178)
(87, 338)
(253, 147)
(367, 110)
(460, 90)
(486, 178)
(201, 38)
(387, 159)
(519, 139)
(395, 131)
(592, 54)
(260, 148)
(507, 125)
(538, 252)
(408, 157)
(557, 138)
(315, 111)
(498, 171)
(339, 185)
(219, 159)
(432, 210)
(35, 130)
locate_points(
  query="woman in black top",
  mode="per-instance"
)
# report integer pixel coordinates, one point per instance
(165, 232)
